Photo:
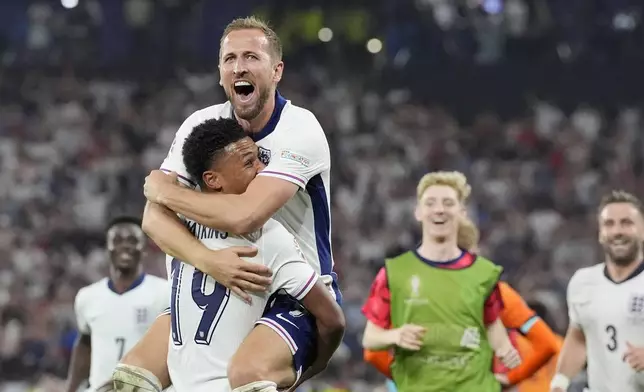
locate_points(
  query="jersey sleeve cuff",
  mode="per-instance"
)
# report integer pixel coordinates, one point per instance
(304, 290)
(525, 328)
(297, 180)
(165, 312)
(182, 179)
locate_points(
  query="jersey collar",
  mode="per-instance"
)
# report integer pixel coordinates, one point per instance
(633, 274)
(137, 282)
(464, 260)
(270, 126)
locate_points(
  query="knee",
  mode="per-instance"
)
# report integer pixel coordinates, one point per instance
(128, 378)
(131, 358)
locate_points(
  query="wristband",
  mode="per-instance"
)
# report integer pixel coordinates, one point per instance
(560, 381)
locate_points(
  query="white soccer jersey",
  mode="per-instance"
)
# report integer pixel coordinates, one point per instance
(294, 148)
(208, 323)
(115, 321)
(610, 314)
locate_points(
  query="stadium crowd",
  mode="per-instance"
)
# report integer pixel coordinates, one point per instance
(74, 152)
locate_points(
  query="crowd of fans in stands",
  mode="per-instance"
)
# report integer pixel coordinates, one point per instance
(74, 154)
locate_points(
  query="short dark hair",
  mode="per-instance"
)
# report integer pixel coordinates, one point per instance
(123, 219)
(621, 196)
(206, 142)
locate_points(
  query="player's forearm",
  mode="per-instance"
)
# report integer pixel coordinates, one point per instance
(545, 346)
(330, 334)
(573, 353)
(222, 212)
(329, 339)
(169, 233)
(376, 338)
(498, 337)
(79, 365)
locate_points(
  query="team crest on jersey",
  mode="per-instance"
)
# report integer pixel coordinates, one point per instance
(296, 313)
(636, 308)
(636, 303)
(264, 155)
(141, 316)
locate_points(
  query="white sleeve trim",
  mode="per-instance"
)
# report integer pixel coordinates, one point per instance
(304, 290)
(184, 180)
(297, 180)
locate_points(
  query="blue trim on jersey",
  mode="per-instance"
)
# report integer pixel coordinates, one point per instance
(322, 222)
(270, 126)
(391, 387)
(137, 282)
(525, 328)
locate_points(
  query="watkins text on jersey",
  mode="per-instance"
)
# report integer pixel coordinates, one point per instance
(203, 232)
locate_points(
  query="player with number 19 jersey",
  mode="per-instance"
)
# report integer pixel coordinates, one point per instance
(116, 322)
(294, 148)
(208, 323)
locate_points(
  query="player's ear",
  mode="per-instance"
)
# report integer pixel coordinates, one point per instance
(417, 213)
(212, 180)
(278, 69)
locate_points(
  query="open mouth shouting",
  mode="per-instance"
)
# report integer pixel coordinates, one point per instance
(244, 91)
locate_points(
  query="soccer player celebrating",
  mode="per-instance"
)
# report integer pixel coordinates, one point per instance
(442, 302)
(293, 188)
(208, 324)
(606, 305)
(114, 313)
(536, 343)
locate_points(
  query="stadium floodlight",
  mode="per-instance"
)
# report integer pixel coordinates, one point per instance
(69, 4)
(374, 45)
(325, 34)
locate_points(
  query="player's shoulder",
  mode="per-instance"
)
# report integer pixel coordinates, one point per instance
(275, 232)
(207, 113)
(592, 274)
(91, 291)
(213, 111)
(586, 278)
(276, 239)
(301, 119)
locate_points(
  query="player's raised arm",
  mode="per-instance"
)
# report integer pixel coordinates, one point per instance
(291, 168)
(168, 231)
(573, 352)
(239, 214)
(82, 351)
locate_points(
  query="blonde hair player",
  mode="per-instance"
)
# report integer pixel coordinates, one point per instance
(294, 189)
(444, 333)
(606, 305)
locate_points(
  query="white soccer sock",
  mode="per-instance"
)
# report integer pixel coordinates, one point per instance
(128, 378)
(258, 386)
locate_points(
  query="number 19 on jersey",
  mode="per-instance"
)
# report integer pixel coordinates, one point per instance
(211, 305)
